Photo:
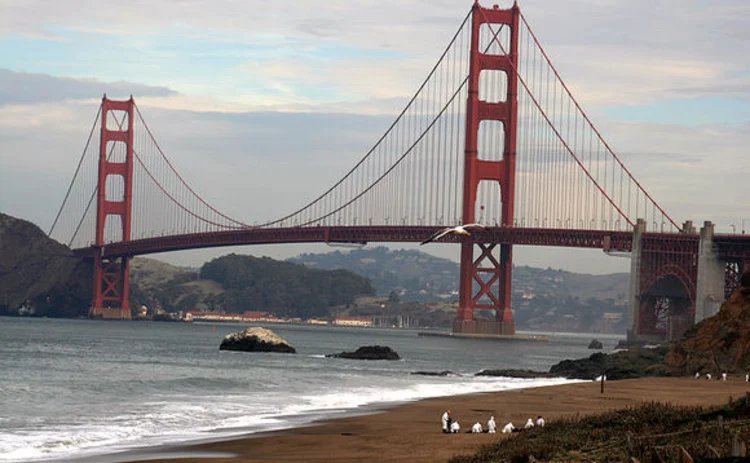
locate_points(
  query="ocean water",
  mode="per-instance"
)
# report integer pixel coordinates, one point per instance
(74, 389)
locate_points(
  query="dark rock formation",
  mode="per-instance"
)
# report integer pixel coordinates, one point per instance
(433, 373)
(39, 275)
(516, 373)
(256, 340)
(369, 353)
(720, 344)
(634, 363)
(596, 344)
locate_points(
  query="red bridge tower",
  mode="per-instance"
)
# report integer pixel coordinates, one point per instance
(492, 274)
(111, 274)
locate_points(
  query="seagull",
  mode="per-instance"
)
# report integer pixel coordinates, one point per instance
(457, 230)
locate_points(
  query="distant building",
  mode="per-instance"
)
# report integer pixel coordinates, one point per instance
(353, 321)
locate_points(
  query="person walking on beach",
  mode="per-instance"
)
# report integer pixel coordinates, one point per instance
(540, 421)
(447, 421)
(697, 375)
(723, 376)
(491, 426)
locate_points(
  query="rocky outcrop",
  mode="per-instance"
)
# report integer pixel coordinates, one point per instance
(515, 373)
(634, 363)
(256, 340)
(720, 344)
(369, 353)
(433, 373)
(39, 275)
(596, 344)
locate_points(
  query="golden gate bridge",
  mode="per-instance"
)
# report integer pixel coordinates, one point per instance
(493, 135)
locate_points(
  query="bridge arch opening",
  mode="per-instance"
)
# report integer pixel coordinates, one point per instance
(117, 151)
(487, 42)
(493, 86)
(114, 189)
(489, 205)
(665, 309)
(491, 140)
(117, 120)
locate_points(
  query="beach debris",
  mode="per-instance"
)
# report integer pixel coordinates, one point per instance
(596, 344)
(369, 353)
(256, 340)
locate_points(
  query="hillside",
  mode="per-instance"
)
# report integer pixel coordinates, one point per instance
(719, 344)
(39, 276)
(542, 299)
(284, 288)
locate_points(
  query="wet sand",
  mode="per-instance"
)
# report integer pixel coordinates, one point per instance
(412, 433)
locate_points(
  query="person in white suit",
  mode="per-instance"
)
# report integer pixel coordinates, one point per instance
(491, 426)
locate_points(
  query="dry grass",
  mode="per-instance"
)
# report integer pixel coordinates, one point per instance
(618, 435)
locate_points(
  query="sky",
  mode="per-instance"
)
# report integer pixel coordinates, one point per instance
(224, 84)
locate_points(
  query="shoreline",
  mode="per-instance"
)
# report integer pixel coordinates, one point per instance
(293, 422)
(411, 431)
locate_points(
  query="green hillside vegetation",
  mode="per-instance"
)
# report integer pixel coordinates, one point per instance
(39, 276)
(542, 299)
(287, 289)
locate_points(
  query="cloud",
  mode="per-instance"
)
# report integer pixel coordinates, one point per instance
(21, 88)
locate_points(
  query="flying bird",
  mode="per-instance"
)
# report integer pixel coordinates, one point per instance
(457, 230)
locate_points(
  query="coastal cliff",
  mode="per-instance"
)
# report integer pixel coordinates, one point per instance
(39, 276)
(720, 344)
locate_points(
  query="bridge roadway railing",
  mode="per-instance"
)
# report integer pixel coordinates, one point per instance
(606, 240)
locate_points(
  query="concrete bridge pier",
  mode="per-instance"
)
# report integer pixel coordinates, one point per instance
(710, 282)
(686, 283)
(634, 292)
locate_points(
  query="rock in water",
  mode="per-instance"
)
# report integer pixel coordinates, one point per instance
(369, 353)
(510, 373)
(596, 344)
(432, 373)
(256, 340)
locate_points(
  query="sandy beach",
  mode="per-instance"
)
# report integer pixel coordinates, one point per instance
(411, 432)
